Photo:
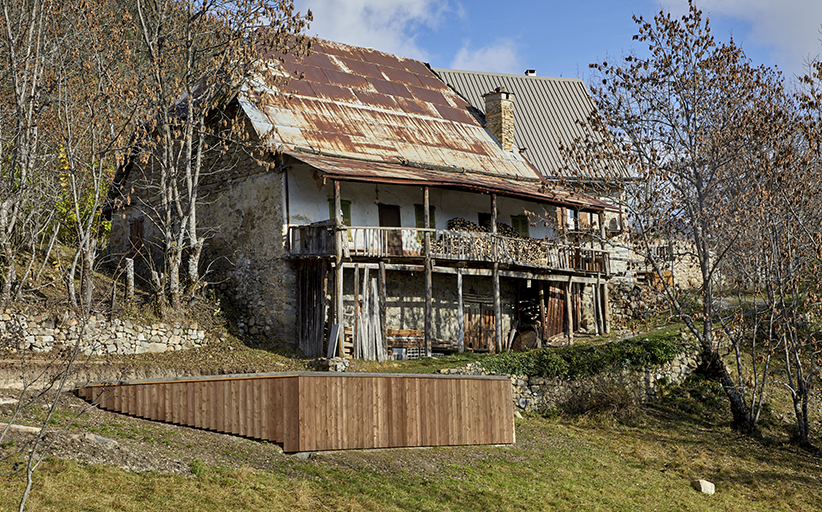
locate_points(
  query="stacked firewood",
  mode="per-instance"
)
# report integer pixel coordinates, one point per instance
(502, 229)
(460, 224)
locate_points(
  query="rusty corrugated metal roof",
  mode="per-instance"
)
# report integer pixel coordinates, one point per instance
(364, 104)
(548, 113)
(361, 170)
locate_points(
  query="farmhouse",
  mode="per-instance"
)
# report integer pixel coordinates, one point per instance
(382, 208)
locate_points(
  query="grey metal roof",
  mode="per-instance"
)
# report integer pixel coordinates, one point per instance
(548, 112)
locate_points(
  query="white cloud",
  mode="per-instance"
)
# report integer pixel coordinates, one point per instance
(789, 28)
(501, 57)
(385, 25)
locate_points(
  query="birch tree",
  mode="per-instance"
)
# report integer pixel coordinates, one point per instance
(196, 56)
(26, 52)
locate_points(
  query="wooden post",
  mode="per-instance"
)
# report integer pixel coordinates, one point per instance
(597, 309)
(460, 321)
(542, 317)
(368, 349)
(495, 277)
(383, 334)
(569, 312)
(606, 309)
(429, 309)
(355, 346)
(338, 278)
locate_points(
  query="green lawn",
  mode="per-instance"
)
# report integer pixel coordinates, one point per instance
(559, 463)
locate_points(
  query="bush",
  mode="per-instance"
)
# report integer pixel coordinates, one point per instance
(572, 361)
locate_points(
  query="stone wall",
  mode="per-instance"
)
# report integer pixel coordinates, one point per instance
(44, 333)
(543, 394)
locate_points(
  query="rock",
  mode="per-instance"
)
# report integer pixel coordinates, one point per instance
(517, 415)
(304, 455)
(157, 347)
(94, 438)
(703, 486)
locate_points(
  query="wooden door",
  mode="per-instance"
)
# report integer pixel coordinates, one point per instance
(479, 326)
(390, 218)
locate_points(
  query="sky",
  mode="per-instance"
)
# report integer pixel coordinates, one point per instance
(557, 38)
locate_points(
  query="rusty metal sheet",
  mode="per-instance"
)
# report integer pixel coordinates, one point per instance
(361, 104)
(361, 170)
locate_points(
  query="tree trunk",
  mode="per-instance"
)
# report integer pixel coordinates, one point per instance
(716, 370)
(87, 276)
(173, 262)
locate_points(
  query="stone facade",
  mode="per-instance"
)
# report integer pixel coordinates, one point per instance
(42, 333)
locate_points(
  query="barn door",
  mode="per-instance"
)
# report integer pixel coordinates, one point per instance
(555, 316)
(479, 326)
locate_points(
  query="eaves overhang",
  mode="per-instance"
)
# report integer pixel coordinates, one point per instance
(345, 169)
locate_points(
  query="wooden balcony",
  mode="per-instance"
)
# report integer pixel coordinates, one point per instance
(324, 239)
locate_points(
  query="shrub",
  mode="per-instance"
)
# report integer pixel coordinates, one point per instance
(580, 361)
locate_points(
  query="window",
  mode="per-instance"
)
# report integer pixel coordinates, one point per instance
(520, 224)
(483, 219)
(419, 215)
(345, 206)
(572, 219)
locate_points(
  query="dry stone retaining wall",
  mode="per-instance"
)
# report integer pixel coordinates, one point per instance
(543, 394)
(44, 333)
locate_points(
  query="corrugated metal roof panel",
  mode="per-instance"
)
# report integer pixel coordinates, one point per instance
(361, 103)
(361, 170)
(548, 113)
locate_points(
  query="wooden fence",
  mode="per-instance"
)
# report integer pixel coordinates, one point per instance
(309, 411)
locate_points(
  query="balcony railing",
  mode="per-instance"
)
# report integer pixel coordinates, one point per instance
(320, 240)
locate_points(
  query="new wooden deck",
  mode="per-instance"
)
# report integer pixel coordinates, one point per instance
(313, 411)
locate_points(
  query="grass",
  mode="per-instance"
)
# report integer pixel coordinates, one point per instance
(561, 463)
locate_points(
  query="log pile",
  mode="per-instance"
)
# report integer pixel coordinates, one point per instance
(460, 224)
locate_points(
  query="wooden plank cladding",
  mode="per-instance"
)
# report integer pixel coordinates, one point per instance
(309, 411)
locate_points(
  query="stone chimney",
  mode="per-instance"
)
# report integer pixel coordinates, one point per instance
(499, 116)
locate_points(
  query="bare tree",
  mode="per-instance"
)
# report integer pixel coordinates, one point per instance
(196, 57)
(26, 52)
(694, 120)
(94, 109)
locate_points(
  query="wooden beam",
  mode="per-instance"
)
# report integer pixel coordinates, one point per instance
(460, 319)
(355, 345)
(542, 317)
(495, 278)
(569, 312)
(517, 274)
(429, 309)
(339, 302)
(597, 313)
(383, 308)
(606, 308)
(338, 275)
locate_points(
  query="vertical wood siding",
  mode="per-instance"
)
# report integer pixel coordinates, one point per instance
(326, 411)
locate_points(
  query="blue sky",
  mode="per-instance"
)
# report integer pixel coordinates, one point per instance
(557, 38)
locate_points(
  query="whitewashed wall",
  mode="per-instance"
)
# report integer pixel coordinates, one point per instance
(308, 202)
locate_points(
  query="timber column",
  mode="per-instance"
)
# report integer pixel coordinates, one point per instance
(495, 277)
(429, 309)
(338, 277)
